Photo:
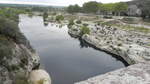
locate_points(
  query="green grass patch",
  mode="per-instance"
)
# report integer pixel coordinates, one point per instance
(84, 30)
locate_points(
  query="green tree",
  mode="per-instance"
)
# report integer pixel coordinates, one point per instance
(84, 30)
(59, 17)
(144, 5)
(91, 7)
(120, 7)
(73, 9)
(45, 15)
(106, 8)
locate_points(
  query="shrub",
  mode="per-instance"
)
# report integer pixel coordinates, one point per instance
(78, 21)
(5, 48)
(59, 17)
(71, 23)
(107, 17)
(119, 44)
(85, 24)
(45, 16)
(84, 30)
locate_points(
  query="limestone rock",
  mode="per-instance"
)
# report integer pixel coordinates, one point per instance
(39, 77)
(134, 74)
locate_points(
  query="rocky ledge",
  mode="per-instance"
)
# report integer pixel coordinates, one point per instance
(133, 46)
(134, 74)
(17, 57)
(16, 61)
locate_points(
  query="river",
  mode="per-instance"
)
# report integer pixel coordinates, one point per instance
(65, 58)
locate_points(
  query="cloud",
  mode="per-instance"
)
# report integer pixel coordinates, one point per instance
(56, 2)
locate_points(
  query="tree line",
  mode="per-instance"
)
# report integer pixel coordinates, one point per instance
(111, 8)
(94, 7)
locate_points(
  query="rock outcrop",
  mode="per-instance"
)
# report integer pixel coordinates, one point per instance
(134, 74)
(39, 77)
(130, 45)
(16, 61)
(17, 57)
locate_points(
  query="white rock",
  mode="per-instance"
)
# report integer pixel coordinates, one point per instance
(37, 76)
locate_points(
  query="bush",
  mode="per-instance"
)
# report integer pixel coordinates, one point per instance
(45, 16)
(8, 28)
(84, 30)
(71, 23)
(59, 17)
(107, 17)
(85, 24)
(5, 48)
(78, 22)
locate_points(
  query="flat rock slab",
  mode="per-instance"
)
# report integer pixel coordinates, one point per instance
(134, 74)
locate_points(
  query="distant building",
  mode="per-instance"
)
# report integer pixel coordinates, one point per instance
(133, 10)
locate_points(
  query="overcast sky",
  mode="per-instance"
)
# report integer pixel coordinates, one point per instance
(56, 2)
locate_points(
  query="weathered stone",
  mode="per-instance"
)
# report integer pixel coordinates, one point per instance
(39, 77)
(130, 45)
(134, 74)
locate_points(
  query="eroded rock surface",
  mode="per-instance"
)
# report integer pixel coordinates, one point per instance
(16, 61)
(134, 74)
(40, 77)
(130, 45)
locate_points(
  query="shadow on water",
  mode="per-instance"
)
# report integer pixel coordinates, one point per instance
(84, 44)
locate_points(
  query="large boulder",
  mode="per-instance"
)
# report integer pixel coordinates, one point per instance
(39, 77)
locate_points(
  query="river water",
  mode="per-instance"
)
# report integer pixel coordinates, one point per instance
(65, 58)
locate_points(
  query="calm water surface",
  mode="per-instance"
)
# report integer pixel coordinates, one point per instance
(67, 59)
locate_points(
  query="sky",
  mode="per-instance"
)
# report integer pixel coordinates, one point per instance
(57, 2)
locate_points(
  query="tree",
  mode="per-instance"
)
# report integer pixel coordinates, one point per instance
(59, 18)
(120, 7)
(105, 8)
(73, 9)
(84, 30)
(91, 7)
(45, 15)
(144, 5)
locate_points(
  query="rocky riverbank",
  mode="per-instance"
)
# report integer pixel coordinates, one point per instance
(134, 74)
(18, 60)
(130, 45)
(17, 57)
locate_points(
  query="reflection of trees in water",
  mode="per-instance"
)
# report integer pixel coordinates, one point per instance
(83, 44)
(45, 24)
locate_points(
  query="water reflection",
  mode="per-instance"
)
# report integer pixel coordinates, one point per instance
(45, 24)
(84, 44)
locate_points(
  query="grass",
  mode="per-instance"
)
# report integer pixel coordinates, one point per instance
(132, 28)
(128, 27)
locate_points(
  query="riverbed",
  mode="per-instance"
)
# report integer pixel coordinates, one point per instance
(65, 58)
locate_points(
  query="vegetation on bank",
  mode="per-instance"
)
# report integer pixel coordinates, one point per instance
(9, 36)
(84, 30)
(45, 16)
(79, 22)
(71, 23)
(59, 18)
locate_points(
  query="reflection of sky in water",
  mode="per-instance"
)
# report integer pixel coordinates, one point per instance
(62, 55)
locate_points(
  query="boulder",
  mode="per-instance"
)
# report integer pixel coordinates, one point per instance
(39, 77)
